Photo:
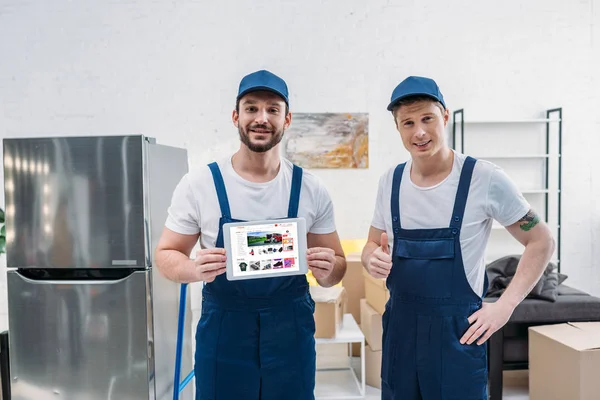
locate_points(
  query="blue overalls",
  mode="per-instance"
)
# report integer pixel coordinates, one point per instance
(255, 339)
(426, 315)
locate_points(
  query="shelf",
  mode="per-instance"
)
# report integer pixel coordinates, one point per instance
(487, 261)
(506, 156)
(496, 226)
(516, 121)
(537, 191)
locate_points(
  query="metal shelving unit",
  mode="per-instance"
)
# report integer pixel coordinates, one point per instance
(553, 116)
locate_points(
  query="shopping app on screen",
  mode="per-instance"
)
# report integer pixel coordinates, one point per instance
(264, 249)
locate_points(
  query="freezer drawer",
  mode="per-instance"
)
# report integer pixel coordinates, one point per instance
(81, 340)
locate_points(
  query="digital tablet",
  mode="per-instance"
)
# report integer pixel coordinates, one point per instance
(265, 249)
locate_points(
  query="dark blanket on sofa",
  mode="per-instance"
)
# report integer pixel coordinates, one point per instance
(501, 272)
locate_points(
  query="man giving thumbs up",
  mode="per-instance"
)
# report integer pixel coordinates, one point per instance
(438, 209)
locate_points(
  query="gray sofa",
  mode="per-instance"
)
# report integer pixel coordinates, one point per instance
(508, 347)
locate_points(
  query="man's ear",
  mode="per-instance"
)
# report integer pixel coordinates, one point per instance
(288, 120)
(235, 117)
(446, 116)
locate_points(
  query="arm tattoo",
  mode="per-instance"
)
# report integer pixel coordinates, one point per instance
(530, 220)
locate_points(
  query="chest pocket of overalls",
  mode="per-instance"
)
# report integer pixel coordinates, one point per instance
(425, 266)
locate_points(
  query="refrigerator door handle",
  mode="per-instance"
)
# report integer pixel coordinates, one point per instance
(88, 281)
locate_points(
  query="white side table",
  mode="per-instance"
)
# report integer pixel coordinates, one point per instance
(342, 382)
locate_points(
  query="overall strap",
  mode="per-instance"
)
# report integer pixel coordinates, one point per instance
(295, 192)
(395, 199)
(221, 192)
(462, 193)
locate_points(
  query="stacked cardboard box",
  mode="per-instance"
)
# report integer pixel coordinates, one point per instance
(372, 308)
(354, 283)
(371, 327)
(376, 292)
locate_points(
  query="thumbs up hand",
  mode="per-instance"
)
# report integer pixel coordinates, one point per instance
(380, 261)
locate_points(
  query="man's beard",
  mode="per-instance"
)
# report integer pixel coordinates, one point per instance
(260, 148)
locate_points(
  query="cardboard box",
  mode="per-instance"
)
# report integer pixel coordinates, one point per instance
(354, 282)
(564, 361)
(329, 309)
(371, 325)
(373, 367)
(376, 292)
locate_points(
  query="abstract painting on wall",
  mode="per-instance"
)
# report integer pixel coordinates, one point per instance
(328, 140)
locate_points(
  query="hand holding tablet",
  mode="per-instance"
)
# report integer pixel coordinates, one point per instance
(210, 263)
(321, 261)
(263, 249)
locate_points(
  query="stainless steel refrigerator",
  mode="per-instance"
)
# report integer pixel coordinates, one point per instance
(90, 317)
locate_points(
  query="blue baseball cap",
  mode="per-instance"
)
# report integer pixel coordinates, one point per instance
(416, 86)
(263, 80)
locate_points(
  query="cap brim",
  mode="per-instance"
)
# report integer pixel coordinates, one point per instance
(262, 88)
(391, 106)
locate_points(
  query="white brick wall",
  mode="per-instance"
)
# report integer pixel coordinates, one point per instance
(170, 69)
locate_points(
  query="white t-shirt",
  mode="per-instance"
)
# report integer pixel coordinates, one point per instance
(492, 196)
(195, 207)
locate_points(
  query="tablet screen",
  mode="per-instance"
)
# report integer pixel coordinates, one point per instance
(264, 249)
